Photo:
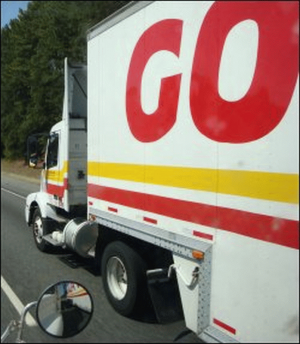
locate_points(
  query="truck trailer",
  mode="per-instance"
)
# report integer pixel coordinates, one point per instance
(176, 164)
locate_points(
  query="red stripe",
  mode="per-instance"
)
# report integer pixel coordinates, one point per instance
(225, 326)
(57, 190)
(148, 219)
(262, 227)
(112, 209)
(203, 235)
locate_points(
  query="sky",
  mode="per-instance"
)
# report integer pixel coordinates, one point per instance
(10, 10)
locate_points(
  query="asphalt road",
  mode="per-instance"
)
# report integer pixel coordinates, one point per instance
(28, 272)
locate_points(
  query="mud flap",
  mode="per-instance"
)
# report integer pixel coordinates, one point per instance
(164, 295)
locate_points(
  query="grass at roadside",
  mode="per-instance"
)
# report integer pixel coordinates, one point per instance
(20, 168)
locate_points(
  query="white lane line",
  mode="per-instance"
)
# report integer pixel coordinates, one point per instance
(13, 193)
(16, 302)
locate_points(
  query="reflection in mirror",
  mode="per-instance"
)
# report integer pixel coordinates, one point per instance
(36, 145)
(33, 162)
(64, 309)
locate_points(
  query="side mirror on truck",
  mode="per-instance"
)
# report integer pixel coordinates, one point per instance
(33, 161)
(35, 152)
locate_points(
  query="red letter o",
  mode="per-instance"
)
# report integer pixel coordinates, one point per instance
(264, 105)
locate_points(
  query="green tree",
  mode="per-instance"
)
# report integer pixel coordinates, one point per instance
(33, 48)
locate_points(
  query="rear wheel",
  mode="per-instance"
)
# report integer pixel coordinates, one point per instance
(124, 277)
(39, 229)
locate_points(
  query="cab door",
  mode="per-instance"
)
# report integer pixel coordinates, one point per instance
(54, 179)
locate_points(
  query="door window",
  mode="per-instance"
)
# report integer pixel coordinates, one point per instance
(52, 151)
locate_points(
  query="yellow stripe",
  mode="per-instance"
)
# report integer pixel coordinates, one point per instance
(58, 175)
(278, 187)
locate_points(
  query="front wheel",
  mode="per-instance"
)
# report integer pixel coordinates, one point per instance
(39, 229)
(124, 277)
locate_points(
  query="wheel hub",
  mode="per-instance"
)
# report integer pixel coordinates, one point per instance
(38, 229)
(117, 278)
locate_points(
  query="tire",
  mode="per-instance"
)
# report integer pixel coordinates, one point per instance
(123, 276)
(39, 229)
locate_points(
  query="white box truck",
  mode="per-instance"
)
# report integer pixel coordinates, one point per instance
(177, 159)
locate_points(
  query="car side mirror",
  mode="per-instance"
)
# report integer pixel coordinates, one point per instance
(64, 309)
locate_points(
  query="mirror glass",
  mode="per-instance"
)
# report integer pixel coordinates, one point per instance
(32, 162)
(36, 145)
(64, 309)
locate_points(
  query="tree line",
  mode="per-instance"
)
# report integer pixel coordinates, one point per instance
(33, 48)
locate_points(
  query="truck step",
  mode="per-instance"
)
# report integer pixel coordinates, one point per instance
(157, 276)
(53, 242)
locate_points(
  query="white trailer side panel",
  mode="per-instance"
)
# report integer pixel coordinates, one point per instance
(232, 186)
